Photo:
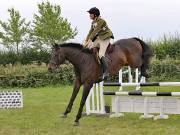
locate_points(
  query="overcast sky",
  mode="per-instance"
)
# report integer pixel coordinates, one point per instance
(126, 18)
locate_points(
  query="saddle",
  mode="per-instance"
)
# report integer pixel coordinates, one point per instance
(109, 50)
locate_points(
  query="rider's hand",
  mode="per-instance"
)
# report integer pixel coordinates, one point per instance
(85, 44)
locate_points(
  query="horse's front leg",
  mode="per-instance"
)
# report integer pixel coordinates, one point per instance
(77, 85)
(86, 90)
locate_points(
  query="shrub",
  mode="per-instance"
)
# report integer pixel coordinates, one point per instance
(8, 57)
(164, 70)
(160, 70)
(63, 75)
(27, 56)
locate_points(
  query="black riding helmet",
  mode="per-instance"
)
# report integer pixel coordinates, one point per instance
(94, 11)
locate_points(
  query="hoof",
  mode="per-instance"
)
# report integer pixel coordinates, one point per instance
(63, 116)
(76, 123)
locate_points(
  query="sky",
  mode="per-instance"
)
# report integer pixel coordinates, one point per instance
(148, 19)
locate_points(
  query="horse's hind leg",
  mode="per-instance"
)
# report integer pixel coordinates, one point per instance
(145, 67)
(77, 85)
(140, 63)
(143, 71)
(86, 90)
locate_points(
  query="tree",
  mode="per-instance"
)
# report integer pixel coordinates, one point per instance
(49, 27)
(14, 30)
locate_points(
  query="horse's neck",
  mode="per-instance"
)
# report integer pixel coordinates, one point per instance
(74, 56)
(82, 62)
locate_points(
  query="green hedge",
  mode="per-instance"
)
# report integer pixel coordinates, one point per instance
(160, 70)
(63, 75)
(8, 57)
(166, 70)
(27, 56)
(30, 55)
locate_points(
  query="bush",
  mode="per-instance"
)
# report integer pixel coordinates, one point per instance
(164, 70)
(30, 55)
(160, 70)
(27, 56)
(63, 75)
(8, 57)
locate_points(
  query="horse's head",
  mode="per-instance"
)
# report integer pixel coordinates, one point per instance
(57, 58)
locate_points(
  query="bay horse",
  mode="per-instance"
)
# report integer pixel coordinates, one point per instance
(132, 51)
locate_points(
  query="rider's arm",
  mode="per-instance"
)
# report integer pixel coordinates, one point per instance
(89, 33)
(99, 26)
(87, 41)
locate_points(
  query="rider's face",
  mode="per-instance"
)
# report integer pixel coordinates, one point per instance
(92, 16)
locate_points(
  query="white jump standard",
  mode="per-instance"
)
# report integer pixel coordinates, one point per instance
(95, 100)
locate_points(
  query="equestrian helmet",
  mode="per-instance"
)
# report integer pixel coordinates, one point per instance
(94, 11)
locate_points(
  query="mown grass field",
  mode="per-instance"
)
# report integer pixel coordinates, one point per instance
(43, 106)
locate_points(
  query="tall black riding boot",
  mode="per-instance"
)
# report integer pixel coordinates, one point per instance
(104, 63)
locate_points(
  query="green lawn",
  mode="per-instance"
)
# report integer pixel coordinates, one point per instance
(43, 106)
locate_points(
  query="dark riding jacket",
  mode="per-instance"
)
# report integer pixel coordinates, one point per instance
(99, 28)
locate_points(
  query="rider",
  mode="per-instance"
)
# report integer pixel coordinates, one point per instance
(99, 36)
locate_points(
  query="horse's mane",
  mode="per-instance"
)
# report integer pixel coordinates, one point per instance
(76, 46)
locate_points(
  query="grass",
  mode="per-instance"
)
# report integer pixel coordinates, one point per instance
(42, 107)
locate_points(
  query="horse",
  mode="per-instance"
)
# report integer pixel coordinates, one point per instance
(131, 51)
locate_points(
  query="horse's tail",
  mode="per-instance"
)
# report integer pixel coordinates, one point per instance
(146, 55)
